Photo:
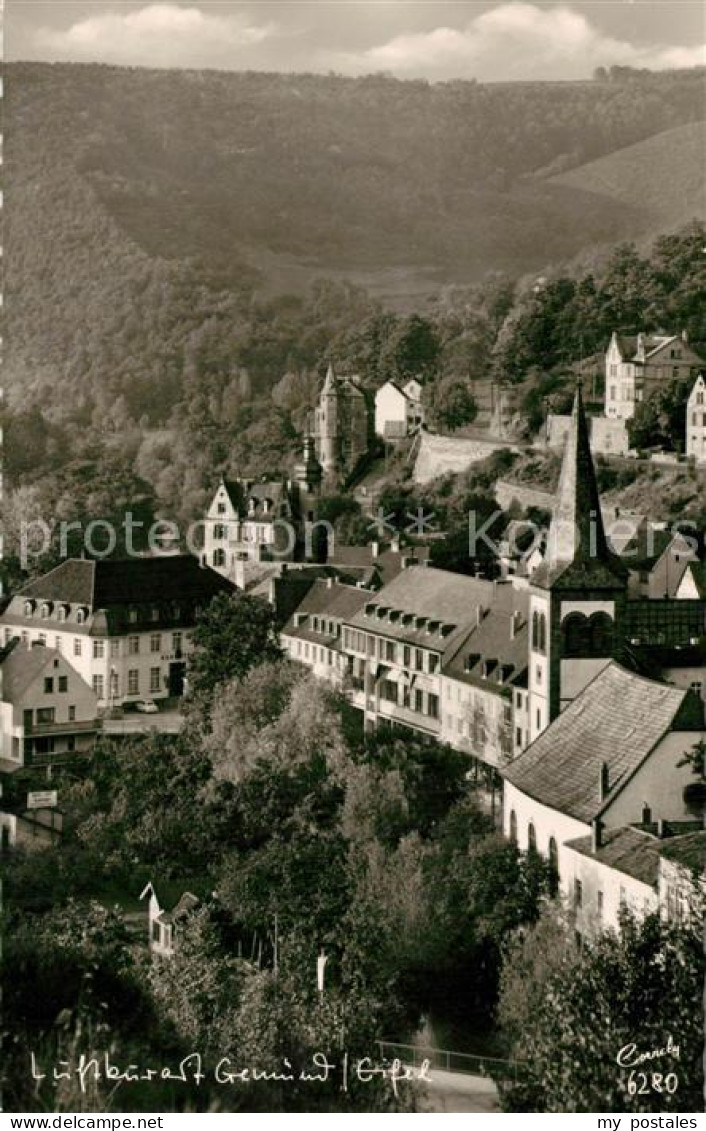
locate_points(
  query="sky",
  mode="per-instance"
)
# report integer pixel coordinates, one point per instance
(432, 39)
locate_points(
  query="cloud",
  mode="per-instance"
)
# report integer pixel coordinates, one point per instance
(158, 35)
(511, 41)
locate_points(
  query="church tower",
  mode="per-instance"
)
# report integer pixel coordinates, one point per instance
(578, 593)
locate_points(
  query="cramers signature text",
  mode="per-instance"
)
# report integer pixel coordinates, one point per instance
(191, 1070)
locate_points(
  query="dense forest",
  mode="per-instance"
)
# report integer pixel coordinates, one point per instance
(151, 341)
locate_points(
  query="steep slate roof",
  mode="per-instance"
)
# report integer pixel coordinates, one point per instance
(627, 849)
(618, 720)
(20, 666)
(493, 641)
(577, 553)
(109, 581)
(447, 598)
(698, 574)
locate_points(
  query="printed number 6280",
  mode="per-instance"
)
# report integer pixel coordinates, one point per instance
(642, 1083)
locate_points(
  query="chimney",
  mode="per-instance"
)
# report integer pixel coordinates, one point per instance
(596, 835)
(641, 346)
(684, 336)
(603, 781)
(374, 549)
(515, 623)
(330, 582)
(395, 543)
(662, 828)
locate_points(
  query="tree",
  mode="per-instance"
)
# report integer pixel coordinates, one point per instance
(661, 418)
(235, 633)
(451, 404)
(567, 1013)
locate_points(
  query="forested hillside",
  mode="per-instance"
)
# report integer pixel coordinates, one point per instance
(152, 339)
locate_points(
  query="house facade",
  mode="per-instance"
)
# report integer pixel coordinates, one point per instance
(695, 445)
(48, 712)
(398, 409)
(124, 626)
(270, 520)
(638, 365)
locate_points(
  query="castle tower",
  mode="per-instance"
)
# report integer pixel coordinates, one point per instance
(328, 424)
(578, 593)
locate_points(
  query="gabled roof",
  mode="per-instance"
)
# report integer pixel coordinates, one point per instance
(20, 666)
(627, 849)
(618, 720)
(577, 553)
(337, 601)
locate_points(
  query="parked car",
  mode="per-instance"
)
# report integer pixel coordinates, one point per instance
(147, 706)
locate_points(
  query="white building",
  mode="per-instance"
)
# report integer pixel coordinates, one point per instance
(696, 421)
(612, 758)
(398, 409)
(637, 365)
(48, 713)
(124, 626)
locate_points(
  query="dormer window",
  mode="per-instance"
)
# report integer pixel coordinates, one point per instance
(46, 608)
(267, 506)
(132, 616)
(29, 608)
(63, 612)
(81, 616)
(252, 505)
(154, 613)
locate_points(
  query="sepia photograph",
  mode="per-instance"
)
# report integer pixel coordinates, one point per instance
(352, 561)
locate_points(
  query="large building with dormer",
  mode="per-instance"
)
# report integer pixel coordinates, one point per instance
(124, 625)
(637, 365)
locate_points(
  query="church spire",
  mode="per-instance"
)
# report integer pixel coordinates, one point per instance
(577, 548)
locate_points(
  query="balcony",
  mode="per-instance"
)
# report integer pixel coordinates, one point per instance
(77, 726)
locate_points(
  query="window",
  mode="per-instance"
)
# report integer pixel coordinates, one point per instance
(45, 715)
(155, 678)
(599, 904)
(25, 638)
(154, 613)
(419, 659)
(433, 706)
(156, 933)
(133, 682)
(71, 743)
(98, 649)
(77, 646)
(155, 642)
(63, 683)
(418, 701)
(176, 642)
(433, 663)
(132, 616)
(219, 558)
(407, 655)
(42, 639)
(390, 651)
(80, 616)
(518, 736)
(114, 649)
(538, 673)
(72, 714)
(539, 719)
(133, 645)
(98, 685)
(62, 613)
(57, 643)
(539, 632)
(531, 838)
(48, 685)
(578, 894)
(513, 826)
